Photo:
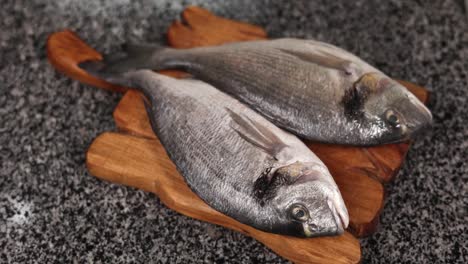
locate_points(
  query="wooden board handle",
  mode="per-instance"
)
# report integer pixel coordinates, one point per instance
(199, 27)
(65, 50)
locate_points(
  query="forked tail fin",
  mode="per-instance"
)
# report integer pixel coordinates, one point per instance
(137, 57)
(145, 81)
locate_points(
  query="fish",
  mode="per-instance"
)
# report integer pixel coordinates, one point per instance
(235, 160)
(315, 90)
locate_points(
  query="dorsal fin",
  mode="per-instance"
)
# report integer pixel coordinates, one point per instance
(324, 59)
(256, 134)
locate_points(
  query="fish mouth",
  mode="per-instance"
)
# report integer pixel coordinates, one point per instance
(341, 218)
(339, 224)
(421, 107)
(418, 126)
(420, 131)
(421, 119)
(307, 231)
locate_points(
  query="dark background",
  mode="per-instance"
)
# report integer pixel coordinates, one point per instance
(52, 210)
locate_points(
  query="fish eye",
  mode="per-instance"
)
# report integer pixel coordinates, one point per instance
(299, 212)
(392, 118)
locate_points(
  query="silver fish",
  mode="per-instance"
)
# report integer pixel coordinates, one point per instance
(313, 89)
(235, 160)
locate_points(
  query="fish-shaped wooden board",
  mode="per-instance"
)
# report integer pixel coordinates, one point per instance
(135, 157)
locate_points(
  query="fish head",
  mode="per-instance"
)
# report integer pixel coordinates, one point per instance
(307, 204)
(393, 113)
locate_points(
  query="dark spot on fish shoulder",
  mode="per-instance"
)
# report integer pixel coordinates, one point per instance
(267, 185)
(353, 102)
(260, 187)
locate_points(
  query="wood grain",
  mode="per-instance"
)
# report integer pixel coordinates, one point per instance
(199, 27)
(144, 164)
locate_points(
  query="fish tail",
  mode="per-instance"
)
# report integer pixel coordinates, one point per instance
(115, 66)
(135, 67)
(138, 56)
(97, 69)
(144, 56)
(142, 80)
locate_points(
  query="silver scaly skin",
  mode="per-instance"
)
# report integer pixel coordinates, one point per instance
(235, 160)
(313, 89)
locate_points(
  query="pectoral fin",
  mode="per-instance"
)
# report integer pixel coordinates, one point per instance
(324, 59)
(257, 134)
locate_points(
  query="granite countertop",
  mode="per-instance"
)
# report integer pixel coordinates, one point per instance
(53, 211)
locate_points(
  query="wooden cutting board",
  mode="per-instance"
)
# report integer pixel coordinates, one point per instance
(135, 157)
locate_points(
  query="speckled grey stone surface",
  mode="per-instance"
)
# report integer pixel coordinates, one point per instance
(53, 211)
